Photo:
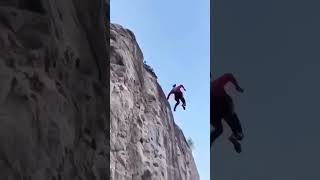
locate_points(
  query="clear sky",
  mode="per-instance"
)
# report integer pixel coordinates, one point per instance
(175, 39)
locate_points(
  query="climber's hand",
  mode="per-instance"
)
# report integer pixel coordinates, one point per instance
(239, 89)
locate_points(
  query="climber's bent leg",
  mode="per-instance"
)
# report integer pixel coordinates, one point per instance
(183, 103)
(178, 102)
(177, 97)
(237, 134)
(235, 125)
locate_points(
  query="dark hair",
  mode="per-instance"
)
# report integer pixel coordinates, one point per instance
(174, 85)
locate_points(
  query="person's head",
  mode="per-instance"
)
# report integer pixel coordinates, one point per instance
(174, 85)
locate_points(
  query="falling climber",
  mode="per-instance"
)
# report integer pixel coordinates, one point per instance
(222, 107)
(178, 95)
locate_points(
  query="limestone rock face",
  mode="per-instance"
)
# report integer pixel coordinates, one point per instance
(145, 142)
(53, 93)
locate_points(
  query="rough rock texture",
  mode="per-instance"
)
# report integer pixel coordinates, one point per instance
(53, 93)
(146, 144)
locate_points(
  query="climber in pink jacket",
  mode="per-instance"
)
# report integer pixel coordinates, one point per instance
(178, 95)
(221, 107)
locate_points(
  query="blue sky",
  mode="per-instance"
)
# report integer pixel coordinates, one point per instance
(175, 39)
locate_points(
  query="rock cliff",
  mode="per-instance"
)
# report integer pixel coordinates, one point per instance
(53, 93)
(146, 144)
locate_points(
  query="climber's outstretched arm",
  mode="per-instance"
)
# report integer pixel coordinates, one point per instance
(171, 92)
(183, 88)
(230, 78)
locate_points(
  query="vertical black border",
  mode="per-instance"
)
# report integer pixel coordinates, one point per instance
(212, 58)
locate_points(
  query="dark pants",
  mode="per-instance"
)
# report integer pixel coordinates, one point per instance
(222, 108)
(179, 96)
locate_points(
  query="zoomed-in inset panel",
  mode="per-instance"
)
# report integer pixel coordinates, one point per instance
(272, 52)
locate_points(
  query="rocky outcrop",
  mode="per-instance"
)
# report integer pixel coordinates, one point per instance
(146, 144)
(53, 93)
